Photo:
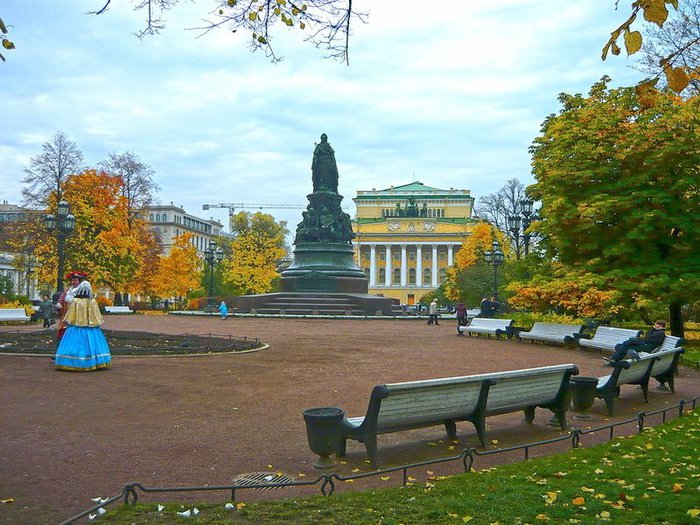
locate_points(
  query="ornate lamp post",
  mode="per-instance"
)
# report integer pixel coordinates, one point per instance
(495, 258)
(526, 205)
(63, 223)
(212, 255)
(514, 227)
(514, 224)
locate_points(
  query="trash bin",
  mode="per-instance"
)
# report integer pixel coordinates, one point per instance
(582, 395)
(323, 431)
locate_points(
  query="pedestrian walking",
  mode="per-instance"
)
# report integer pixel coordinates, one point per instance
(433, 313)
(46, 310)
(223, 310)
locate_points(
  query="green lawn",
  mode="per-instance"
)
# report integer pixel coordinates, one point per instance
(649, 478)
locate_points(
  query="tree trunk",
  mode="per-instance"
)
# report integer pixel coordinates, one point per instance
(676, 318)
(118, 299)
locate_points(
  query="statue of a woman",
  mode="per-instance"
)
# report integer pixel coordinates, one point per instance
(324, 171)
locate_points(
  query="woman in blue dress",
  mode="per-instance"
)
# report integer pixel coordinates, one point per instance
(83, 346)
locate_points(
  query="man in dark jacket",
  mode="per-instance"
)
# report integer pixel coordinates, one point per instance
(634, 345)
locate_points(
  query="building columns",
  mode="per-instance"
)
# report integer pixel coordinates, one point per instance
(387, 276)
(450, 247)
(404, 266)
(373, 265)
(419, 266)
(434, 273)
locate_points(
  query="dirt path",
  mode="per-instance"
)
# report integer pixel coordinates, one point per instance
(169, 421)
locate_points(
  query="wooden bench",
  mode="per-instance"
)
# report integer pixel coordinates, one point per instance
(551, 333)
(668, 354)
(118, 310)
(13, 315)
(606, 337)
(626, 372)
(421, 404)
(488, 326)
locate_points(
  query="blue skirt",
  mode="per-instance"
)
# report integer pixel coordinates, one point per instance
(83, 348)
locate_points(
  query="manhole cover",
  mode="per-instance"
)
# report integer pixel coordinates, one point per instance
(260, 478)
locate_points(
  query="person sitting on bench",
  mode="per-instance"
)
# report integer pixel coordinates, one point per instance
(653, 338)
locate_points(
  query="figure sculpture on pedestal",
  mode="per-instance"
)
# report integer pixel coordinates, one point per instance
(324, 220)
(323, 167)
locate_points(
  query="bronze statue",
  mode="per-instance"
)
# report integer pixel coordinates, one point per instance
(323, 167)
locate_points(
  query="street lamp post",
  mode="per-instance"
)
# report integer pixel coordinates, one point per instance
(63, 223)
(514, 227)
(514, 224)
(495, 258)
(212, 255)
(526, 205)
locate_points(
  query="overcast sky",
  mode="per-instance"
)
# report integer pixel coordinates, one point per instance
(449, 98)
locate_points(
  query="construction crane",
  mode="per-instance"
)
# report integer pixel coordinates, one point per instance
(233, 206)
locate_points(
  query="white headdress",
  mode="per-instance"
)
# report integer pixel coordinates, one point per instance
(84, 290)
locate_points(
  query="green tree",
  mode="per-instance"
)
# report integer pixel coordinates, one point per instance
(620, 184)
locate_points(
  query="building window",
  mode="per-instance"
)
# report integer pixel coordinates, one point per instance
(366, 272)
(397, 276)
(412, 276)
(427, 275)
(412, 255)
(382, 256)
(442, 275)
(382, 275)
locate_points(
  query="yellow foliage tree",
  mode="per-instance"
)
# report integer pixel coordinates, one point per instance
(252, 268)
(177, 273)
(472, 252)
(579, 294)
(104, 243)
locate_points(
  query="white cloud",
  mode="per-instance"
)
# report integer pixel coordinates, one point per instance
(454, 94)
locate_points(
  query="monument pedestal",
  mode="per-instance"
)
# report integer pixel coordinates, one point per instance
(323, 267)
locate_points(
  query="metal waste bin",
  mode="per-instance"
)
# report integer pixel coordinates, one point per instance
(324, 433)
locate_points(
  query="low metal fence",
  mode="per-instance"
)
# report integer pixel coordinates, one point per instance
(327, 482)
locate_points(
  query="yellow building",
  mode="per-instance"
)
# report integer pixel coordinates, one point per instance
(407, 237)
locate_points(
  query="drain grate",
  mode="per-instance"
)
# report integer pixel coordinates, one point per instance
(259, 478)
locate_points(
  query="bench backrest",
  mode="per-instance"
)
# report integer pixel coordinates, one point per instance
(636, 370)
(611, 335)
(13, 313)
(555, 329)
(430, 400)
(487, 322)
(670, 342)
(118, 309)
(527, 387)
(666, 360)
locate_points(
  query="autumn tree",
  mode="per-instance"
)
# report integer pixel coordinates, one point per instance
(663, 41)
(257, 248)
(619, 183)
(6, 42)
(177, 273)
(469, 279)
(103, 244)
(48, 172)
(682, 44)
(137, 177)
(325, 22)
(495, 208)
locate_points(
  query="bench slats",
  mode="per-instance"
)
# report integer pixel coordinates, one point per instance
(660, 364)
(551, 332)
(418, 404)
(14, 315)
(606, 337)
(486, 325)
